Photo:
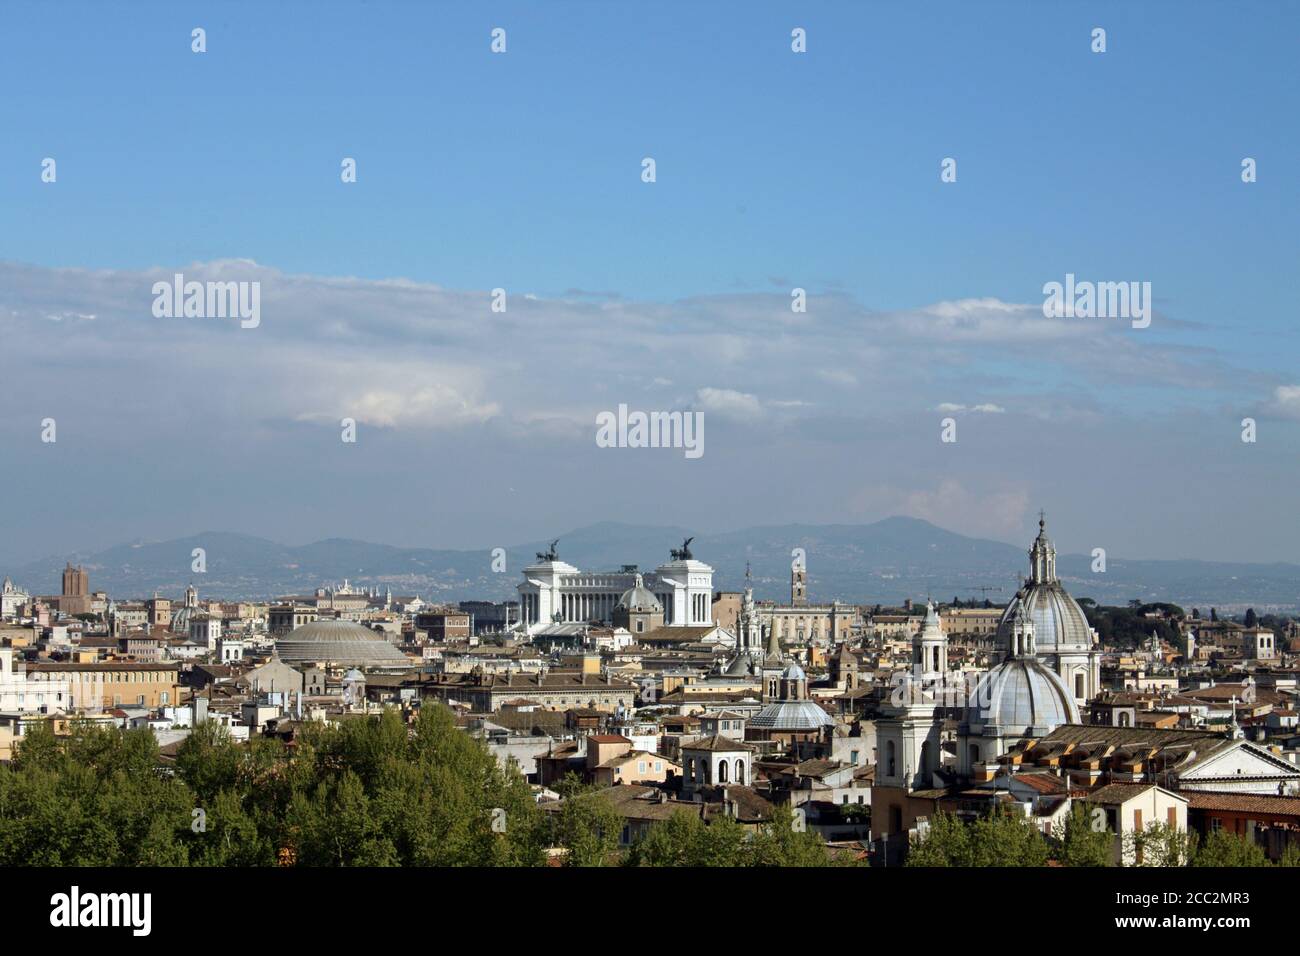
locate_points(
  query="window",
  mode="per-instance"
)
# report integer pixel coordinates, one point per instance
(740, 770)
(1216, 824)
(889, 759)
(640, 766)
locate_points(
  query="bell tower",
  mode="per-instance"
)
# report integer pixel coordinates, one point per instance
(930, 645)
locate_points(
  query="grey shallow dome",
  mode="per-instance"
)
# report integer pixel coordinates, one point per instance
(1059, 622)
(338, 642)
(739, 667)
(639, 598)
(791, 715)
(1024, 697)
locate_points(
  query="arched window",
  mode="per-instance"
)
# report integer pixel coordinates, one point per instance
(740, 770)
(889, 759)
(1123, 718)
(722, 771)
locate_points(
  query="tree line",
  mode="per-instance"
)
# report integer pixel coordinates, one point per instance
(1003, 838)
(364, 792)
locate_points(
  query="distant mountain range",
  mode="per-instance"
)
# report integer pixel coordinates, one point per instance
(883, 562)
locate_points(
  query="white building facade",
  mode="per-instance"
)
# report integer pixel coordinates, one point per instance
(18, 695)
(12, 598)
(555, 591)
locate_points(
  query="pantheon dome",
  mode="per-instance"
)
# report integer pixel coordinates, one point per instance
(340, 643)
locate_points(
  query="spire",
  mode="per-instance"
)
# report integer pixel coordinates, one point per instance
(773, 643)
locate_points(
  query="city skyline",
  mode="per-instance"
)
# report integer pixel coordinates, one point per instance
(888, 561)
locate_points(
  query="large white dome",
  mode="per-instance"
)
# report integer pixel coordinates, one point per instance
(1021, 697)
(340, 643)
(1059, 623)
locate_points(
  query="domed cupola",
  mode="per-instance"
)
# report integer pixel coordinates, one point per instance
(1059, 623)
(1020, 698)
(638, 609)
(639, 598)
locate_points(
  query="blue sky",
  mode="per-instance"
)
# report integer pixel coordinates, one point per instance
(774, 170)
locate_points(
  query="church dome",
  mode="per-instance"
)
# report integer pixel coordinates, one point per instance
(181, 618)
(794, 672)
(741, 666)
(639, 598)
(1059, 623)
(338, 642)
(1022, 697)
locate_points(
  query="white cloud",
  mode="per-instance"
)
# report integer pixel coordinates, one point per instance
(1285, 402)
(730, 404)
(417, 354)
(986, 408)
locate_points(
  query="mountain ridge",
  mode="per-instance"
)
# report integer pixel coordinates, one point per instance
(880, 562)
